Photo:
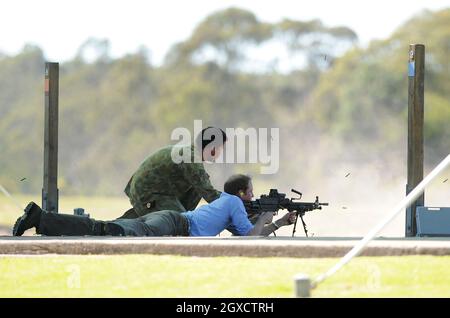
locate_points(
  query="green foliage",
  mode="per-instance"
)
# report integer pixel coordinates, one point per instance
(320, 43)
(363, 97)
(227, 34)
(114, 112)
(225, 31)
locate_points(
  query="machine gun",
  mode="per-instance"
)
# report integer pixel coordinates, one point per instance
(275, 201)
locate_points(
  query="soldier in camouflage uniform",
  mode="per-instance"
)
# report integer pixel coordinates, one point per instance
(161, 184)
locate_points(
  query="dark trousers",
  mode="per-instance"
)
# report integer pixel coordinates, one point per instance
(56, 224)
(161, 223)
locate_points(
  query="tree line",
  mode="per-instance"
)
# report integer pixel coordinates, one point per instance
(335, 102)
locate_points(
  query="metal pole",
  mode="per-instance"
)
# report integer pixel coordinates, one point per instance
(416, 72)
(302, 285)
(50, 189)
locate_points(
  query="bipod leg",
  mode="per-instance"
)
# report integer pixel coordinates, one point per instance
(295, 226)
(304, 225)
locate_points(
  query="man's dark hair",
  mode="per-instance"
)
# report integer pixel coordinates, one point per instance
(236, 183)
(203, 139)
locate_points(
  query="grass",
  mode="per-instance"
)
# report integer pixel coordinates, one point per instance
(177, 276)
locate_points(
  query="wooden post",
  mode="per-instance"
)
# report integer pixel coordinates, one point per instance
(50, 189)
(416, 71)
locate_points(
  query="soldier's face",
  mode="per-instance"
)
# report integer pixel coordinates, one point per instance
(218, 151)
(211, 153)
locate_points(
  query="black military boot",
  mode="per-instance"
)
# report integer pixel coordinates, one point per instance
(28, 220)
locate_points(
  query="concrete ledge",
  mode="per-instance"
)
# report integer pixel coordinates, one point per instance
(214, 246)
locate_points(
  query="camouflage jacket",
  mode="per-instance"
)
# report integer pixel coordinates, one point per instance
(159, 175)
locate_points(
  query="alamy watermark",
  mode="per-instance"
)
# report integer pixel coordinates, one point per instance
(249, 145)
(74, 276)
(374, 278)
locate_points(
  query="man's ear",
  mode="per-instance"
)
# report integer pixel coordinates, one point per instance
(241, 193)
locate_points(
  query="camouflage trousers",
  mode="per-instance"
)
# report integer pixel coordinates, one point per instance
(159, 202)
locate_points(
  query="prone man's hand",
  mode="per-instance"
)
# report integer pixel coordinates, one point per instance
(287, 219)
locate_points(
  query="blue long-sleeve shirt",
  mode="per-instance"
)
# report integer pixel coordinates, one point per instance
(211, 219)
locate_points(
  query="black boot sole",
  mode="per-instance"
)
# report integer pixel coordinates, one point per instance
(19, 227)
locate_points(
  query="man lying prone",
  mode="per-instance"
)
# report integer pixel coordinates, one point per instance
(226, 212)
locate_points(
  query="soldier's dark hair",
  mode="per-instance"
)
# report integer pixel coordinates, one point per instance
(236, 183)
(203, 141)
